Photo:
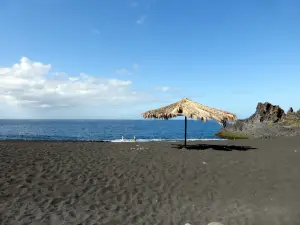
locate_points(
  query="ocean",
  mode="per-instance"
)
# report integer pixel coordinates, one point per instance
(107, 130)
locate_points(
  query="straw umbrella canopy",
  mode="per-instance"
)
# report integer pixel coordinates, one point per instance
(190, 109)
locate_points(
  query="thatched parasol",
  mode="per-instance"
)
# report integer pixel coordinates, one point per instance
(190, 109)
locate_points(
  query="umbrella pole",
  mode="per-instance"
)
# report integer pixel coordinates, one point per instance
(185, 125)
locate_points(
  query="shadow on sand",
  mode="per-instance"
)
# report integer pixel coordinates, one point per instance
(214, 147)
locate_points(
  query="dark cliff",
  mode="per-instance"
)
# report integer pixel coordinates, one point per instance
(267, 121)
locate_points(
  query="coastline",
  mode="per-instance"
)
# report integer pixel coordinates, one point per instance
(115, 140)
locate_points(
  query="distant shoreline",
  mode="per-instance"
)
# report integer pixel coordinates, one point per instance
(112, 141)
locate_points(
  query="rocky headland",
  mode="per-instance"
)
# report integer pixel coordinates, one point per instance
(268, 121)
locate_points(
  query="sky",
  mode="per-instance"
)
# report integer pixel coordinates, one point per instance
(115, 59)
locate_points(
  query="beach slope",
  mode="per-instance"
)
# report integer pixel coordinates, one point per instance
(233, 182)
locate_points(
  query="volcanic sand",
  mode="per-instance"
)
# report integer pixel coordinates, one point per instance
(232, 182)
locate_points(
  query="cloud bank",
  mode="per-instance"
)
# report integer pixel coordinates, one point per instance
(30, 84)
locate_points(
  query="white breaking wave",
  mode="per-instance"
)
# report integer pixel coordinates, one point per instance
(166, 140)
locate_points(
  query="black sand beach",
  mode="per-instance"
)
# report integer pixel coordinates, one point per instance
(150, 183)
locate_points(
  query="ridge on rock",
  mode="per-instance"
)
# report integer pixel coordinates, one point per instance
(266, 112)
(298, 113)
(291, 110)
(292, 115)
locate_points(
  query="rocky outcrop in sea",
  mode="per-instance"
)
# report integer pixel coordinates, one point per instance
(268, 121)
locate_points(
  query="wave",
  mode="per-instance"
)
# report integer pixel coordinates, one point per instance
(84, 139)
(165, 140)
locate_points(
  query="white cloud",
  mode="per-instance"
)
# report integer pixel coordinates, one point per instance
(115, 82)
(96, 31)
(30, 85)
(163, 88)
(123, 71)
(142, 19)
(135, 66)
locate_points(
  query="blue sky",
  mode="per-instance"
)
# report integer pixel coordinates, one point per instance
(119, 58)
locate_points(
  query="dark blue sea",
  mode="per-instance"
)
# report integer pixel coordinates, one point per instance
(107, 130)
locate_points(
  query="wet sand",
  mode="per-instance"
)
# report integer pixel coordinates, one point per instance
(152, 183)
